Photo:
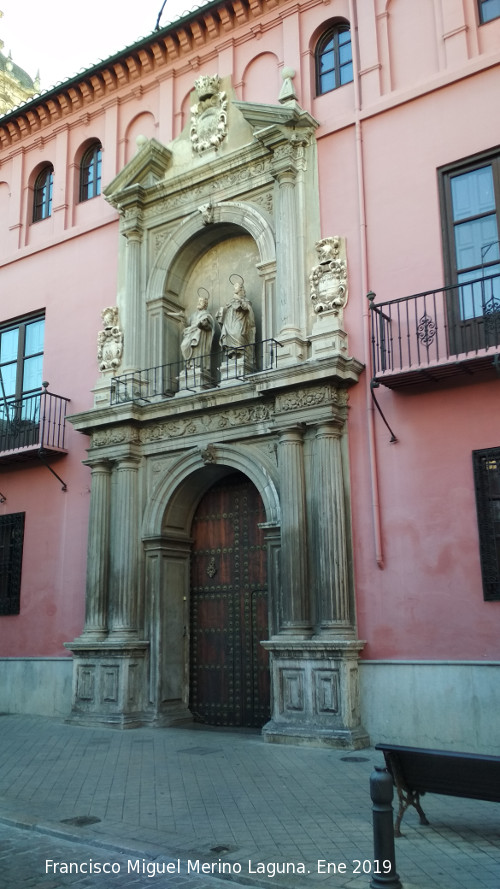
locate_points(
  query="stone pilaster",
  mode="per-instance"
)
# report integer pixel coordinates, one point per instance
(333, 575)
(96, 601)
(124, 551)
(294, 605)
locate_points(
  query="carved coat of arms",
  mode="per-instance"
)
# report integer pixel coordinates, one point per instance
(328, 279)
(209, 115)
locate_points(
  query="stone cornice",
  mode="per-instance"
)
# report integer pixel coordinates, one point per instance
(195, 31)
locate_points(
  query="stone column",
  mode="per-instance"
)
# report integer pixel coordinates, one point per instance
(332, 541)
(294, 606)
(133, 324)
(290, 277)
(124, 551)
(96, 601)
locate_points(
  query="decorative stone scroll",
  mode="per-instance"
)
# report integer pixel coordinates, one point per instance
(110, 340)
(209, 115)
(328, 279)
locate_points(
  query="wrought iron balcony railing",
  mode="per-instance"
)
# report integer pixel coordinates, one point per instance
(436, 334)
(203, 372)
(33, 423)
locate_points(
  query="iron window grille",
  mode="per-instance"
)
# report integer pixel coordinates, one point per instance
(486, 465)
(42, 194)
(90, 172)
(334, 59)
(11, 557)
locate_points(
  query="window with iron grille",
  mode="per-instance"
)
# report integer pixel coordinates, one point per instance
(42, 194)
(11, 558)
(488, 10)
(487, 481)
(90, 172)
(333, 59)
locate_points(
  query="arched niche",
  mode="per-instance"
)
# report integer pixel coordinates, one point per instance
(261, 79)
(239, 239)
(143, 124)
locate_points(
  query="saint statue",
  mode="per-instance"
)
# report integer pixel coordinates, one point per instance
(237, 321)
(198, 334)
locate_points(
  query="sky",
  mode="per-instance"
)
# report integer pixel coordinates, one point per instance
(60, 37)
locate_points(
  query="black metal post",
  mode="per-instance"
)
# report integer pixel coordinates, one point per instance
(384, 854)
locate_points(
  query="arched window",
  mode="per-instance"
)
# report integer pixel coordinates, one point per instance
(90, 172)
(333, 59)
(42, 194)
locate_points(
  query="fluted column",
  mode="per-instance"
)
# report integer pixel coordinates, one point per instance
(333, 572)
(124, 550)
(132, 357)
(294, 606)
(96, 601)
(290, 280)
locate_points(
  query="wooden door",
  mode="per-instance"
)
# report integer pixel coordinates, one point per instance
(229, 669)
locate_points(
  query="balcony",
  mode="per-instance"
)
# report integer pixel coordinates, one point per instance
(32, 426)
(204, 372)
(439, 335)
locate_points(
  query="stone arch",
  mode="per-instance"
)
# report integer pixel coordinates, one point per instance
(166, 539)
(173, 501)
(194, 235)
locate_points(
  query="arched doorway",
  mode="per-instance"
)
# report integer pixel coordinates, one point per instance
(229, 669)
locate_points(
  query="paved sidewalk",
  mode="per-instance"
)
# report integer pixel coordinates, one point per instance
(227, 800)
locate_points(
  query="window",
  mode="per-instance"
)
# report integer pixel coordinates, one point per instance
(21, 360)
(11, 557)
(90, 172)
(42, 194)
(487, 482)
(333, 59)
(471, 199)
(488, 10)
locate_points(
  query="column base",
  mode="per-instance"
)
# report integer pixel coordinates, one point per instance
(108, 683)
(315, 685)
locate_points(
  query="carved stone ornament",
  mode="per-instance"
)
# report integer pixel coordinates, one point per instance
(110, 340)
(208, 454)
(209, 115)
(328, 279)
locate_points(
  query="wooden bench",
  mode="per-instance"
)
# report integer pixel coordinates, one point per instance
(416, 771)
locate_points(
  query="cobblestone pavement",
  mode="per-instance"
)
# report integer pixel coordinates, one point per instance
(34, 860)
(222, 798)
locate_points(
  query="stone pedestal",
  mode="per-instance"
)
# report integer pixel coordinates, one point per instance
(237, 365)
(108, 683)
(328, 336)
(192, 379)
(315, 693)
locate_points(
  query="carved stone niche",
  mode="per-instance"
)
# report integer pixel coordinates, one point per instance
(328, 290)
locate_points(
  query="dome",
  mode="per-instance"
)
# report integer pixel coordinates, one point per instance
(11, 69)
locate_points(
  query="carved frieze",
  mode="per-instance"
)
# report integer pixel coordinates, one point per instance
(117, 435)
(314, 397)
(209, 114)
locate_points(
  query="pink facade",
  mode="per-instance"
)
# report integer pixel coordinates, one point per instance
(421, 99)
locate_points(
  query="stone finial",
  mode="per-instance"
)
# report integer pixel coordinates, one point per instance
(110, 340)
(287, 92)
(328, 279)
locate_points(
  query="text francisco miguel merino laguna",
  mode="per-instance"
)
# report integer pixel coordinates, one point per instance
(157, 868)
